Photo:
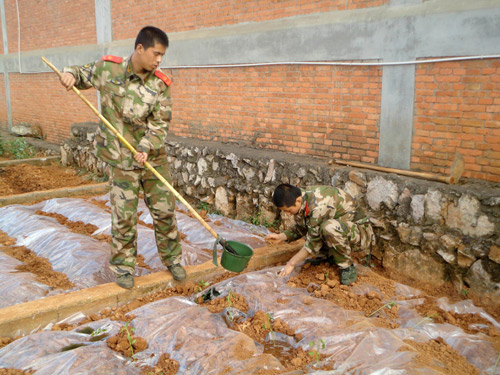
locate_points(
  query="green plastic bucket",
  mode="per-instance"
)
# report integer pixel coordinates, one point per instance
(236, 261)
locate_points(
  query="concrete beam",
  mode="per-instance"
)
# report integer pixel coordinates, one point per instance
(37, 196)
(23, 318)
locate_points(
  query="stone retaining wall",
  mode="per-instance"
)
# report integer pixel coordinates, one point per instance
(426, 230)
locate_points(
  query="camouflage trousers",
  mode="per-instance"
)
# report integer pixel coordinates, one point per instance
(124, 197)
(341, 237)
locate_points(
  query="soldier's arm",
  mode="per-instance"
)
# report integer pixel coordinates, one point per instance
(157, 123)
(85, 76)
(296, 232)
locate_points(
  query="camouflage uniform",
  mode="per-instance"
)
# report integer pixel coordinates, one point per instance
(140, 109)
(331, 221)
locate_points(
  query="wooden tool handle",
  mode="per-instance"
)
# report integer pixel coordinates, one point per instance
(428, 176)
(134, 151)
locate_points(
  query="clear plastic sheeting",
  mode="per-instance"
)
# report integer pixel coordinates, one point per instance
(76, 255)
(17, 286)
(202, 343)
(84, 259)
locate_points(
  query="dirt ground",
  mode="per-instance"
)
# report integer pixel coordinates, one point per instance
(24, 178)
(320, 280)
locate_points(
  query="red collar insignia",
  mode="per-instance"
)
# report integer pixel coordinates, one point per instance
(114, 59)
(307, 209)
(163, 77)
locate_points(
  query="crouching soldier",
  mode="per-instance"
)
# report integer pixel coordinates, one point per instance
(331, 222)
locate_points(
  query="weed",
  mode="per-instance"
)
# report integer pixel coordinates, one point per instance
(20, 149)
(315, 352)
(255, 220)
(203, 206)
(388, 305)
(131, 342)
(464, 292)
(208, 208)
(326, 277)
(367, 261)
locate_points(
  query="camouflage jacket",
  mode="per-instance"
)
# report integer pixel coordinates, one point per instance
(139, 109)
(321, 203)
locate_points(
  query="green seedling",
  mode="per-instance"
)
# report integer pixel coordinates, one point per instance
(131, 342)
(315, 352)
(464, 292)
(496, 363)
(230, 304)
(326, 277)
(426, 318)
(201, 285)
(389, 305)
(268, 326)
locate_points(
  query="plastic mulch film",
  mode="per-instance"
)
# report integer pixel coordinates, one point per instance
(76, 255)
(84, 259)
(351, 340)
(203, 344)
(67, 353)
(17, 286)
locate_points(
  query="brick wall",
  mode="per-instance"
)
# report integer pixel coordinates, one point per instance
(40, 99)
(173, 16)
(3, 104)
(323, 111)
(50, 23)
(457, 108)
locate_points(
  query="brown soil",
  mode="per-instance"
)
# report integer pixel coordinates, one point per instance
(13, 371)
(258, 327)
(428, 352)
(165, 366)
(25, 178)
(126, 342)
(40, 267)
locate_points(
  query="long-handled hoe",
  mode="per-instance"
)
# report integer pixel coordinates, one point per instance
(235, 255)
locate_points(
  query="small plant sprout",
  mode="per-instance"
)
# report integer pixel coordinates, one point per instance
(230, 304)
(388, 305)
(426, 318)
(320, 345)
(464, 292)
(130, 331)
(496, 363)
(98, 331)
(201, 285)
(268, 325)
(326, 277)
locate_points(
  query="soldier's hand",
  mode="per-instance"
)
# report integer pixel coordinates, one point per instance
(141, 157)
(287, 270)
(275, 237)
(68, 80)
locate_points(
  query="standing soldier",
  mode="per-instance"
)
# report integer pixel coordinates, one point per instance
(331, 221)
(135, 98)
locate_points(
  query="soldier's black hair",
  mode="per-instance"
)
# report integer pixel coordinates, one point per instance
(285, 195)
(149, 36)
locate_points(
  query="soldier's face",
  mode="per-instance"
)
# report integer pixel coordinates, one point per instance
(150, 58)
(292, 210)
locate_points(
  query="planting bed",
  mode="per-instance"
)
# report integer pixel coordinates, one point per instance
(25, 178)
(248, 323)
